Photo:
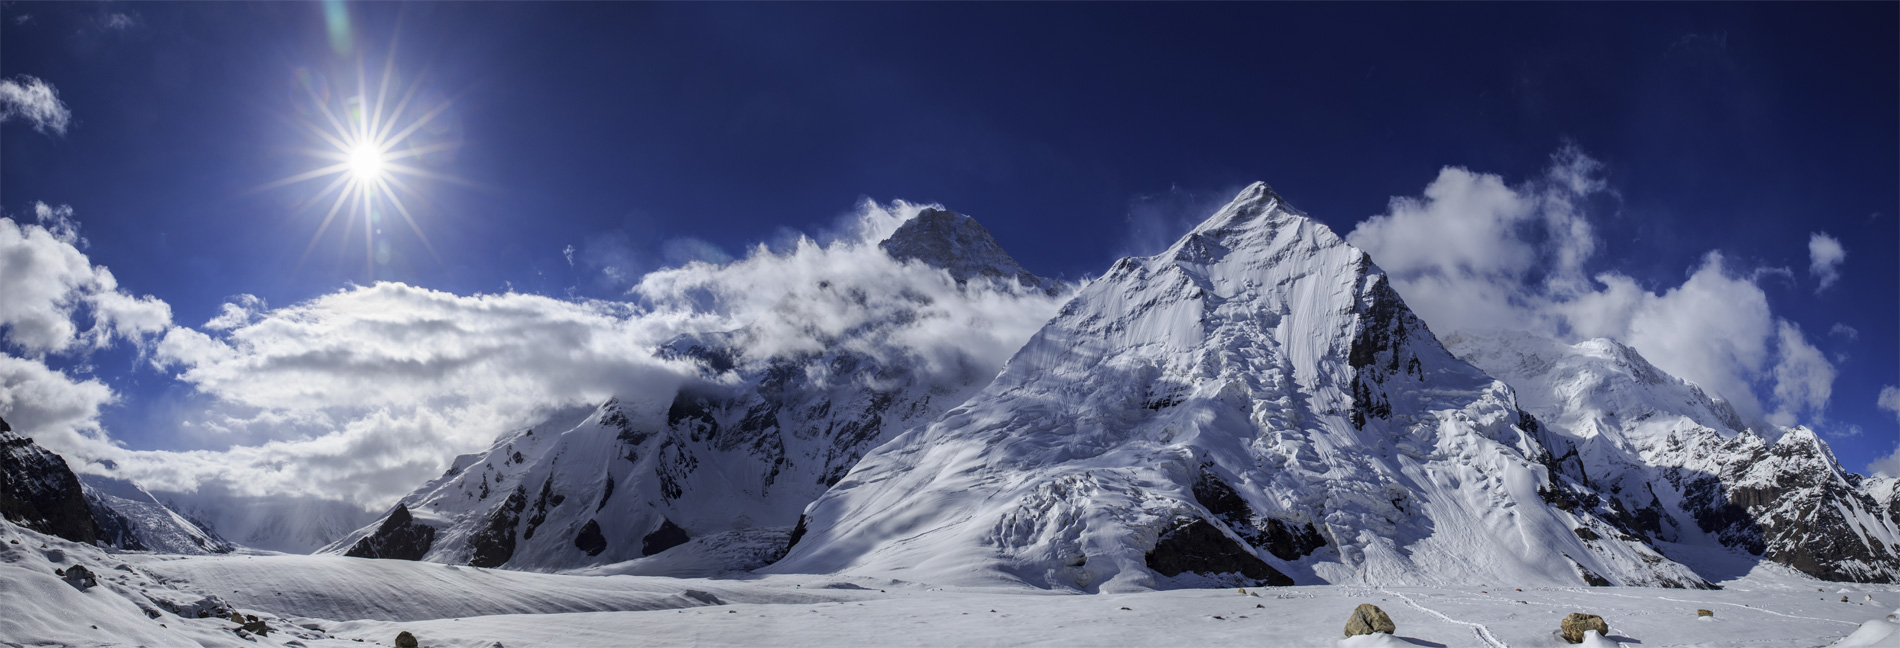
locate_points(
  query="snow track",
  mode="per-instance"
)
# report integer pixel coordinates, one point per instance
(1740, 605)
(1484, 633)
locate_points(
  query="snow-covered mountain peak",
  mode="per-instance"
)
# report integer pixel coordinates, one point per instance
(1677, 465)
(1254, 200)
(960, 245)
(1594, 387)
(1255, 404)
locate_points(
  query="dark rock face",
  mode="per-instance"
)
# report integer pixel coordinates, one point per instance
(1286, 541)
(494, 544)
(400, 537)
(666, 537)
(1381, 349)
(590, 540)
(798, 532)
(1194, 545)
(39, 492)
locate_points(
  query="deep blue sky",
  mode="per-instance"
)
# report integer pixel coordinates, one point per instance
(1738, 128)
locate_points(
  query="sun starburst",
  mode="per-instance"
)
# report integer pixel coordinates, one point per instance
(367, 145)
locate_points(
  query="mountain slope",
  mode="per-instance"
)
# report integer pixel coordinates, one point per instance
(139, 521)
(1254, 405)
(724, 465)
(1680, 467)
(39, 492)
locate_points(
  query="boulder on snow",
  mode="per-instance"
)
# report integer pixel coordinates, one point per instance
(1577, 623)
(405, 640)
(1704, 613)
(1367, 619)
(79, 577)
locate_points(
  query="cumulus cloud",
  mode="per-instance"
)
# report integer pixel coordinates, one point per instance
(362, 393)
(52, 406)
(27, 97)
(1825, 255)
(51, 285)
(1843, 331)
(1803, 377)
(1477, 253)
(1889, 465)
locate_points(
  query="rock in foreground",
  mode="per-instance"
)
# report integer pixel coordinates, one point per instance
(1577, 623)
(1367, 619)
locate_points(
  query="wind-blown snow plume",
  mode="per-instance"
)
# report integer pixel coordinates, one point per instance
(1475, 253)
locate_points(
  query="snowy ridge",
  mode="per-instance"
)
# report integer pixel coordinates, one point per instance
(723, 466)
(1254, 405)
(1677, 466)
(141, 522)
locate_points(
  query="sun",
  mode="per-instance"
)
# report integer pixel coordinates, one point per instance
(367, 142)
(366, 162)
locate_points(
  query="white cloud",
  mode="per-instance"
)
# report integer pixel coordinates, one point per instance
(1475, 253)
(1843, 331)
(363, 393)
(60, 412)
(36, 101)
(1804, 380)
(1889, 465)
(1825, 255)
(50, 282)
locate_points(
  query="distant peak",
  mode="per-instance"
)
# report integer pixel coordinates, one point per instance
(957, 243)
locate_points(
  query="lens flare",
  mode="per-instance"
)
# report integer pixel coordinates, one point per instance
(368, 142)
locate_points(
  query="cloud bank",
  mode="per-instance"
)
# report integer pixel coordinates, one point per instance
(27, 97)
(1477, 253)
(364, 393)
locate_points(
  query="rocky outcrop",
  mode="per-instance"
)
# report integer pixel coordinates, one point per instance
(494, 543)
(666, 537)
(590, 540)
(400, 537)
(38, 491)
(1196, 546)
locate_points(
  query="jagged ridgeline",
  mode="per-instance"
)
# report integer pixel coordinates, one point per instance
(713, 477)
(1255, 405)
(1665, 461)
